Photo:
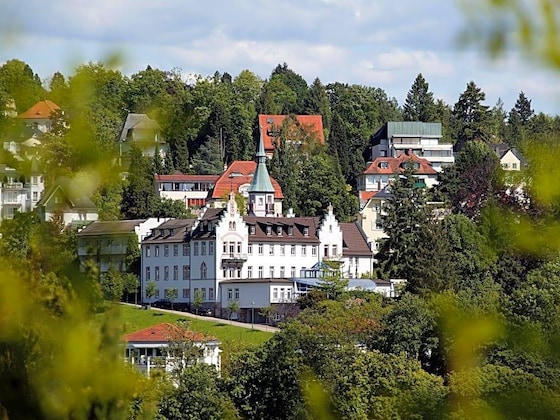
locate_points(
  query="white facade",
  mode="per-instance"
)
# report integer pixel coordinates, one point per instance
(257, 252)
(510, 162)
(20, 197)
(422, 139)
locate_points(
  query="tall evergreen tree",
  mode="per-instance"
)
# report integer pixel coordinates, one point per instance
(419, 104)
(58, 90)
(470, 116)
(498, 122)
(405, 215)
(317, 102)
(208, 159)
(523, 108)
(139, 197)
(515, 129)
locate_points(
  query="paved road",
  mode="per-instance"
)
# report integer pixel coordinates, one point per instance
(259, 327)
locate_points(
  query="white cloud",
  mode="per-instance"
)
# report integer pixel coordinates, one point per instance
(382, 43)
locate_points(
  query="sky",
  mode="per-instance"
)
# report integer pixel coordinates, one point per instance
(380, 43)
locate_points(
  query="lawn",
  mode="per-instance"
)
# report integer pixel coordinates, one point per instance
(233, 338)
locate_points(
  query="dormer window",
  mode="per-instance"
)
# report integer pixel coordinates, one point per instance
(170, 232)
(252, 229)
(162, 232)
(305, 231)
(269, 230)
(279, 230)
(290, 230)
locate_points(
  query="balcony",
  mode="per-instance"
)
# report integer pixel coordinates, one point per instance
(13, 186)
(233, 259)
(337, 258)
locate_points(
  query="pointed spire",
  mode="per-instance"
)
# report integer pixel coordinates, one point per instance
(261, 179)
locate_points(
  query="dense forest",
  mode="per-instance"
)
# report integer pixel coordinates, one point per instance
(211, 121)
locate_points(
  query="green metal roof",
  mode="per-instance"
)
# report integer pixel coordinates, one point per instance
(411, 128)
(261, 179)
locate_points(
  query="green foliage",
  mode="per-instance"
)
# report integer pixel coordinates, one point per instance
(408, 328)
(112, 285)
(232, 308)
(139, 197)
(198, 300)
(419, 104)
(319, 181)
(20, 84)
(51, 353)
(150, 291)
(332, 284)
(470, 117)
(108, 199)
(474, 180)
(131, 283)
(208, 159)
(196, 397)
(357, 112)
(405, 214)
(171, 294)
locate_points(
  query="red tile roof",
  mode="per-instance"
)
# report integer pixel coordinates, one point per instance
(366, 195)
(165, 332)
(396, 165)
(42, 109)
(238, 173)
(267, 123)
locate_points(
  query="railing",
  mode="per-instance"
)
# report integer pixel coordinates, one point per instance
(234, 257)
(13, 186)
(8, 199)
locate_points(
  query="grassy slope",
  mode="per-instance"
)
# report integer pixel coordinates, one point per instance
(233, 338)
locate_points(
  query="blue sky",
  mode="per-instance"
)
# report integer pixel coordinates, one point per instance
(377, 43)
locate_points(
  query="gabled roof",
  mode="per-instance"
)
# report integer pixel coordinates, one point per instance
(384, 165)
(76, 199)
(354, 240)
(366, 195)
(138, 122)
(206, 219)
(42, 109)
(270, 123)
(165, 332)
(111, 227)
(173, 230)
(240, 172)
(283, 225)
(517, 154)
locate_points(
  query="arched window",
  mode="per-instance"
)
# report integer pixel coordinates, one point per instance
(203, 270)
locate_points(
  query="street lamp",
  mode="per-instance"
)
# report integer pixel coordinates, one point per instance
(252, 314)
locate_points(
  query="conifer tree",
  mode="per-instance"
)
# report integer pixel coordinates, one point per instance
(419, 104)
(523, 108)
(405, 215)
(470, 117)
(317, 102)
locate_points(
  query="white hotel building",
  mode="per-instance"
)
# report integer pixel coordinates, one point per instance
(253, 259)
